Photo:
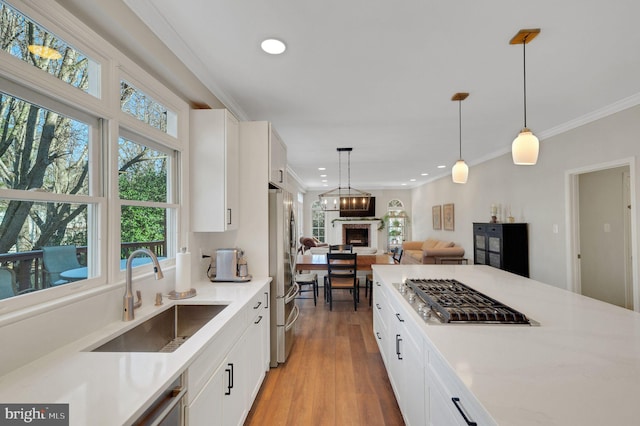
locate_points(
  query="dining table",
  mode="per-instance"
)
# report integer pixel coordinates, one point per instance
(318, 262)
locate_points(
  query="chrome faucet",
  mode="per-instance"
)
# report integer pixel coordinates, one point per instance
(128, 306)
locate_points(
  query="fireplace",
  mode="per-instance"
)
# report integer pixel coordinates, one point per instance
(356, 235)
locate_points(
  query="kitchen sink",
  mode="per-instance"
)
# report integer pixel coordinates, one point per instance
(164, 332)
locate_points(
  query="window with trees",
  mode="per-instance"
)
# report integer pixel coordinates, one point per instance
(72, 180)
(25, 39)
(318, 221)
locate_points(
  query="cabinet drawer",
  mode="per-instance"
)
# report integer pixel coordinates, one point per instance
(203, 367)
(481, 257)
(446, 385)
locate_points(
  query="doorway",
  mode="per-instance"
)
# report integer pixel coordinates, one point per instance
(600, 227)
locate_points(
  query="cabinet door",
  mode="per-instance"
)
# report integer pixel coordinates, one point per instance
(206, 408)
(232, 178)
(277, 160)
(214, 170)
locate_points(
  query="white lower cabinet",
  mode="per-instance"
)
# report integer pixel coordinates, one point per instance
(401, 345)
(427, 390)
(224, 380)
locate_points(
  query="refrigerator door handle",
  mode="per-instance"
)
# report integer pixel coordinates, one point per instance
(293, 292)
(292, 321)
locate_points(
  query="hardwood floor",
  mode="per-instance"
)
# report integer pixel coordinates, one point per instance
(334, 374)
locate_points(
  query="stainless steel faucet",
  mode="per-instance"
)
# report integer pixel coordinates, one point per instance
(128, 306)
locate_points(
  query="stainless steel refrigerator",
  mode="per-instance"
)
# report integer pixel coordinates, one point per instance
(282, 264)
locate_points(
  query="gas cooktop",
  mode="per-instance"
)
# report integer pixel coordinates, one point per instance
(454, 302)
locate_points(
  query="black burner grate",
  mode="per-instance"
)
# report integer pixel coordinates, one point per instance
(454, 302)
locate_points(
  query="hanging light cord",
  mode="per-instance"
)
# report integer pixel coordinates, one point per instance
(460, 125)
(524, 68)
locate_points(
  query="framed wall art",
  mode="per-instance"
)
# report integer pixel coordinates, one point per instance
(448, 217)
(437, 218)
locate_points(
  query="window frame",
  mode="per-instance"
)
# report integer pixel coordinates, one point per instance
(104, 229)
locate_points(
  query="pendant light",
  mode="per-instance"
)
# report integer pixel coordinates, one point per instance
(345, 198)
(525, 147)
(460, 170)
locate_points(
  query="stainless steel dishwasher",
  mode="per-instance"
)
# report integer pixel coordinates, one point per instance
(167, 409)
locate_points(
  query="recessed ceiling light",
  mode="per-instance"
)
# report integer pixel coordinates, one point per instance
(412, 180)
(424, 174)
(441, 167)
(273, 46)
(404, 184)
(322, 168)
(323, 175)
(324, 180)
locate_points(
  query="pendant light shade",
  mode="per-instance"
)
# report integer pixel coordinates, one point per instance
(460, 170)
(526, 146)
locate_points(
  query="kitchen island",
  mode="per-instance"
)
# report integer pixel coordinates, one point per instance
(580, 365)
(115, 388)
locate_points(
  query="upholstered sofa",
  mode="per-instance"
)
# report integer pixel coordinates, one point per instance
(427, 251)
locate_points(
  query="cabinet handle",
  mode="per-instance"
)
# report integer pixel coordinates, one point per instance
(378, 334)
(378, 306)
(258, 305)
(229, 217)
(259, 319)
(398, 340)
(266, 299)
(230, 376)
(458, 404)
(281, 175)
(378, 283)
(398, 316)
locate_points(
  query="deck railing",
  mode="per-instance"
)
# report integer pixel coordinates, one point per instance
(31, 273)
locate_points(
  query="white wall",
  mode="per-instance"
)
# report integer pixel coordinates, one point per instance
(535, 193)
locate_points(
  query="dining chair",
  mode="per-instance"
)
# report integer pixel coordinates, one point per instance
(397, 255)
(305, 280)
(58, 259)
(341, 248)
(8, 284)
(341, 275)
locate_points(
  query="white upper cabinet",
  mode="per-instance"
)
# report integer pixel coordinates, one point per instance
(214, 170)
(277, 160)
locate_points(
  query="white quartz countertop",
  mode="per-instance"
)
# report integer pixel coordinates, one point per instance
(105, 388)
(581, 366)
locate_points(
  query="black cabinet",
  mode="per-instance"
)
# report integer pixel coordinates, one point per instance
(502, 245)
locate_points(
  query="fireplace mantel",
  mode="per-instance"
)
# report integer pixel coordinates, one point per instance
(337, 230)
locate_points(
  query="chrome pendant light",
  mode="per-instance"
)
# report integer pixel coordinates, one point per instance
(460, 170)
(345, 198)
(525, 147)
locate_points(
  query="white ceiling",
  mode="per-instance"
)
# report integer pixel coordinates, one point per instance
(378, 75)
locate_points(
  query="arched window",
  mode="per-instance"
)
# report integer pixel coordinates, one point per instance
(317, 221)
(396, 223)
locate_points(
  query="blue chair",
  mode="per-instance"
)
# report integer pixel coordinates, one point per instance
(58, 259)
(8, 284)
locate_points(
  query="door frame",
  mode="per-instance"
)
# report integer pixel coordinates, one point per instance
(572, 222)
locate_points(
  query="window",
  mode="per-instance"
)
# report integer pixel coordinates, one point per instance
(26, 40)
(396, 221)
(318, 221)
(144, 108)
(48, 196)
(79, 191)
(144, 183)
